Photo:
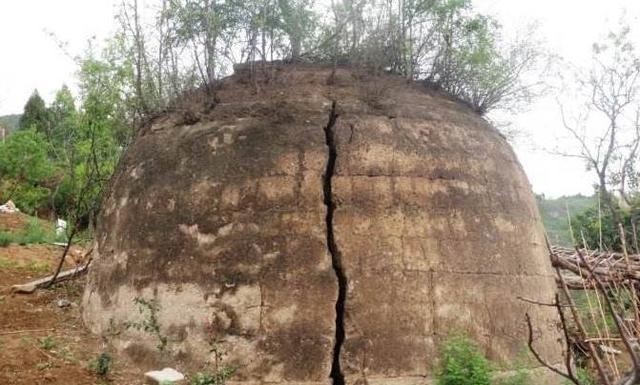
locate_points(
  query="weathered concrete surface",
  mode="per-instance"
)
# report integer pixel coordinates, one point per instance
(245, 222)
(439, 233)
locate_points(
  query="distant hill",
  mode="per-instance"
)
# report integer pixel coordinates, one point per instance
(10, 121)
(554, 215)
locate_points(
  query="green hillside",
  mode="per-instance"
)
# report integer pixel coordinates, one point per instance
(10, 121)
(554, 215)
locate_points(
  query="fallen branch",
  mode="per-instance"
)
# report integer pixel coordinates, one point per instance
(26, 331)
(611, 268)
(633, 377)
(540, 303)
(581, 329)
(582, 332)
(43, 352)
(66, 275)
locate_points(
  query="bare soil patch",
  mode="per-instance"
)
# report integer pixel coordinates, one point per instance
(40, 342)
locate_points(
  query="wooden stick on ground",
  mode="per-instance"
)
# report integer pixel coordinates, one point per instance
(25, 331)
(30, 287)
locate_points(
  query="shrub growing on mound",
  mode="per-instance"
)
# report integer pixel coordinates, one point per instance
(463, 364)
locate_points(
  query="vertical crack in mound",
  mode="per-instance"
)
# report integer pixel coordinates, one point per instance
(336, 374)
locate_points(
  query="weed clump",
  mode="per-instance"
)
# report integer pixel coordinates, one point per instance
(101, 365)
(5, 239)
(33, 233)
(48, 343)
(219, 377)
(463, 364)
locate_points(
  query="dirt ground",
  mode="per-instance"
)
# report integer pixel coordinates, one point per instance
(13, 222)
(40, 342)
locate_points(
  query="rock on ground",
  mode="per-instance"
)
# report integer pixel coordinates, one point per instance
(163, 377)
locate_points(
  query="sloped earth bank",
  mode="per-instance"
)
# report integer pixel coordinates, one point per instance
(47, 344)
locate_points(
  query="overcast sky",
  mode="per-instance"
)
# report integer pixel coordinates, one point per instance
(31, 59)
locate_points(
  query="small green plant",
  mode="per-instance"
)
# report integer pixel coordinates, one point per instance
(47, 343)
(584, 377)
(149, 310)
(463, 364)
(33, 233)
(5, 239)
(219, 377)
(219, 373)
(101, 364)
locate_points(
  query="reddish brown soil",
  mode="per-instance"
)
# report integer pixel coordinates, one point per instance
(26, 320)
(13, 222)
(17, 222)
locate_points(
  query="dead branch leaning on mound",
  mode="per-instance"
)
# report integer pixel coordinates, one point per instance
(633, 377)
(611, 267)
(569, 374)
(594, 274)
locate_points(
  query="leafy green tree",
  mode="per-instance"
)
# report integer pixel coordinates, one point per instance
(473, 68)
(599, 229)
(25, 171)
(35, 114)
(444, 42)
(556, 213)
(299, 23)
(62, 145)
(100, 133)
(205, 27)
(63, 119)
(606, 131)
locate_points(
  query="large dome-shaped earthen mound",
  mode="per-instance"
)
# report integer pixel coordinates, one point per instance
(318, 228)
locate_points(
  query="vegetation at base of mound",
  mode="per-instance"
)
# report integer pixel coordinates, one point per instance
(462, 363)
